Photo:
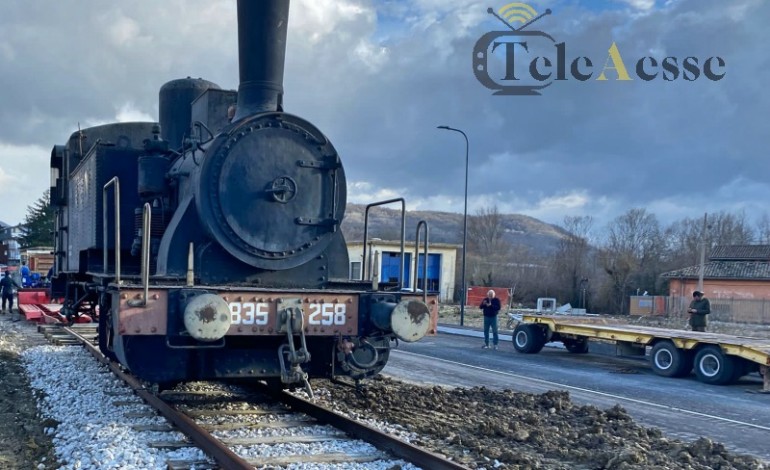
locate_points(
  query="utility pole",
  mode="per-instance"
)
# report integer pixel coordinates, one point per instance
(702, 253)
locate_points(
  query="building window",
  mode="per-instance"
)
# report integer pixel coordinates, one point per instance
(355, 270)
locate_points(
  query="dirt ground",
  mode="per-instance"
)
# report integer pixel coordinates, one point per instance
(23, 444)
(482, 428)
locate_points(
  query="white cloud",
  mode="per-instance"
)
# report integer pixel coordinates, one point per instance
(378, 77)
(24, 176)
(362, 192)
(128, 112)
(641, 4)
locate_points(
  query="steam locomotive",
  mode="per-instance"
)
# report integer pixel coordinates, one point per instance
(208, 245)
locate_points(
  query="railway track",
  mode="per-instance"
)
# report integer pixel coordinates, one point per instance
(240, 427)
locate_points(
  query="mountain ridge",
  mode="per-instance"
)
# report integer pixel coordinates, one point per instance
(446, 227)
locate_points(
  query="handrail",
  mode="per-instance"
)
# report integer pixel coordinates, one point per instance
(146, 223)
(403, 236)
(114, 181)
(421, 223)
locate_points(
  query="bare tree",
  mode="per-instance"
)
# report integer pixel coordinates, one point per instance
(631, 256)
(570, 264)
(488, 251)
(763, 229)
(683, 238)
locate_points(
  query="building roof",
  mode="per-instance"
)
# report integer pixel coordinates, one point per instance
(730, 262)
(759, 270)
(740, 253)
(407, 243)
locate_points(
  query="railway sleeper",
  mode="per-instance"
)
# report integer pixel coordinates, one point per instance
(283, 461)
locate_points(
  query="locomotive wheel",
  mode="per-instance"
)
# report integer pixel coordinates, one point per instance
(576, 346)
(669, 361)
(528, 338)
(714, 367)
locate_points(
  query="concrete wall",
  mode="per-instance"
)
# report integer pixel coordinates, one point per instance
(743, 301)
(722, 288)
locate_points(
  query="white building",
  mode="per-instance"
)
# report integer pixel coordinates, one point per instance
(10, 253)
(383, 257)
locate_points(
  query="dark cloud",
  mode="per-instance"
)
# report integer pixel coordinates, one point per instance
(378, 77)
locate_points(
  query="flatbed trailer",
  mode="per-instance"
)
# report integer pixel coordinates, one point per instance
(718, 359)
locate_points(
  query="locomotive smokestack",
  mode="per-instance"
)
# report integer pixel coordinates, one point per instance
(262, 26)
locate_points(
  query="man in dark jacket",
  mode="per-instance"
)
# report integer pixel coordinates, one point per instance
(699, 308)
(490, 306)
(6, 289)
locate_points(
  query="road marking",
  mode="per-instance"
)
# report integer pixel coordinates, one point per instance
(586, 390)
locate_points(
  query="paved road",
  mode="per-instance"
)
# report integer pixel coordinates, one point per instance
(685, 408)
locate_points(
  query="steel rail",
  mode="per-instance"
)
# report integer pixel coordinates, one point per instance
(379, 439)
(223, 456)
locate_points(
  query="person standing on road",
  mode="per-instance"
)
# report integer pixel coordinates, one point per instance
(490, 306)
(6, 289)
(699, 308)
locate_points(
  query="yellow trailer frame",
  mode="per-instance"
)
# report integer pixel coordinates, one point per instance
(688, 344)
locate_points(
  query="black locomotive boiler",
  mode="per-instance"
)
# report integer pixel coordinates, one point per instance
(209, 244)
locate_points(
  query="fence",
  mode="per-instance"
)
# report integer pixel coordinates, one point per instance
(753, 311)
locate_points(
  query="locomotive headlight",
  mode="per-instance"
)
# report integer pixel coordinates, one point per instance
(410, 320)
(207, 317)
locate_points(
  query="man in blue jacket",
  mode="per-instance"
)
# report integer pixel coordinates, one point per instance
(490, 306)
(6, 289)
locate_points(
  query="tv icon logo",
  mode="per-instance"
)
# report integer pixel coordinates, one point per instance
(518, 46)
(512, 12)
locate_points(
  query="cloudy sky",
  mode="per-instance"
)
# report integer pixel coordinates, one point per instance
(378, 76)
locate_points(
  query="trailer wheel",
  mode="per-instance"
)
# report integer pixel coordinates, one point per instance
(742, 367)
(714, 367)
(669, 361)
(576, 346)
(528, 338)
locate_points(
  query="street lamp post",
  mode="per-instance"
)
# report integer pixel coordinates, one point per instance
(465, 225)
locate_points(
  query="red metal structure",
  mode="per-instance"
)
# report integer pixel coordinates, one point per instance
(477, 293)
(37, 306)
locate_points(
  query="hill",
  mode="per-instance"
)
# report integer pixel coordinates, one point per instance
(446, 227)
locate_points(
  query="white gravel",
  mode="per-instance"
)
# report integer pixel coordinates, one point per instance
(93, 432)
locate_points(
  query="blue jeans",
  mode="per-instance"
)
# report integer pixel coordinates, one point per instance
(490, 322)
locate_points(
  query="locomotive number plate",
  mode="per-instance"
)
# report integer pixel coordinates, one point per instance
(323, 315)
(249, 313)
(327, 314)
